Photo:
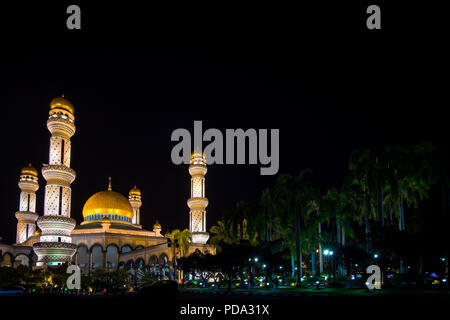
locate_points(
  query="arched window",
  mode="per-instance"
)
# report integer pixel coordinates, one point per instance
(97, 257)
(126, 248)
(111, 257)
(7, 260)
(83, 257)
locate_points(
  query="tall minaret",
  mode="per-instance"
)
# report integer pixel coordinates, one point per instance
(27, 216)
(198, 202)
(136, 202)
(55, 246)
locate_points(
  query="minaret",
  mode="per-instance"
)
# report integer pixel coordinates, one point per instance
(55, 246)
(27, 216)
(136, 202)
(157, 229)
(198, 202)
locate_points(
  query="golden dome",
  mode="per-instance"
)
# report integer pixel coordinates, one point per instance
(29, 171)
(156, 225)
(38, 232)
(135, 192)
(62, 103)
(109, 204)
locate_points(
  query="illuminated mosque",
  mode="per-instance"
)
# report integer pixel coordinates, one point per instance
(111, 236)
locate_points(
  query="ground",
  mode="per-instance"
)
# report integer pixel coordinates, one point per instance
(316, 304)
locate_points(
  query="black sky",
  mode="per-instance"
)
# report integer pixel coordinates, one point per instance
(135, 74)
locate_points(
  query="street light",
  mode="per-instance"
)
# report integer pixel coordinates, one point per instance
(330, 253)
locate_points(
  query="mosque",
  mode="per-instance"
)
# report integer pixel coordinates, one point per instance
(111, 236)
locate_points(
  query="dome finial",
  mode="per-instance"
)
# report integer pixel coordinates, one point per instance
(109, 184)
(62, 96)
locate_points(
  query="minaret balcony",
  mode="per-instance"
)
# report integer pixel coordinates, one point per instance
(200, 237)
(57, 124)
(54, 252)
(56, 225)
(58, 172)
(27, 216)
(135, 203)
(197, 203)
(28, 185)
(197, 169)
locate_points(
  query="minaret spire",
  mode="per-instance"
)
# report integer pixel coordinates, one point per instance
(198, 201)
(27, 216)
(55, 246)
(134, 197)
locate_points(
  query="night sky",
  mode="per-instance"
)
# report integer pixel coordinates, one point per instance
(136, 74)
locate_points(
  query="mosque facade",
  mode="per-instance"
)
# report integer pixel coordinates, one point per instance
(110, 236)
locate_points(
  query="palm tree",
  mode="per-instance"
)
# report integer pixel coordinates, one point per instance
(397, 177)
(414, 169)
(184, 239)
(294, 198)
(267, 208)
(181, 242)
(316, 208)
(338, 206)
(221, 234)
(367, 173)
(251, 220)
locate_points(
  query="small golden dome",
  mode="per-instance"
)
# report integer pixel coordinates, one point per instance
(29, 171)
(135, 192)
(156, 225)
(38, 232)
(107, 203)
(62, 103)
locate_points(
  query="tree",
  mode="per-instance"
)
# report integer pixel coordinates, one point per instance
(184, 239)
(368, 174)
(267, 213)
(393, 179)
(338, 206)
(221, 234)
(294, 198)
